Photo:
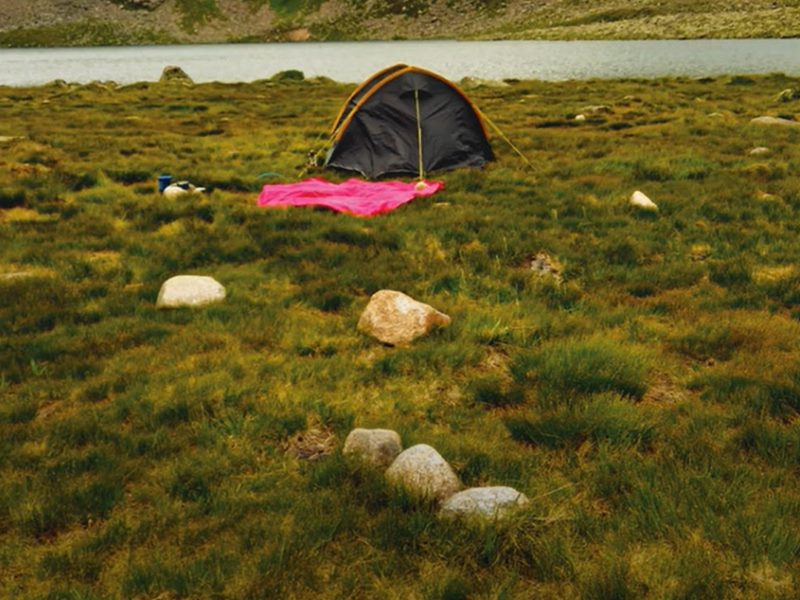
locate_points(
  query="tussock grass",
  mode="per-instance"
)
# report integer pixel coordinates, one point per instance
(647, 404)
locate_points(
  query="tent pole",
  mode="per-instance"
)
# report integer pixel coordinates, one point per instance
(419, 135)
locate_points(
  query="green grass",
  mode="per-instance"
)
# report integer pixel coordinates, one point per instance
(647, 404)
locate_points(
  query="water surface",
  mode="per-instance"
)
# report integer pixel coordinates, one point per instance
(354, 61)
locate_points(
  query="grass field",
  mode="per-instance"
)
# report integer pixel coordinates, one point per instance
(647, 405)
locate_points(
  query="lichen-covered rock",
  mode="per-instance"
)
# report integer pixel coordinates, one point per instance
(397, 319)
(423, 473)
(189, 290)
(639, 200)
(375, 447)
(483, 503)
(173, 74)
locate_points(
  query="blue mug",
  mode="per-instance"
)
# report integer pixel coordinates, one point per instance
(163, 182)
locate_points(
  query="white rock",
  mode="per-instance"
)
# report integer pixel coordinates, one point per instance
(397, 319)
(423, 473)
(189, 290)
(180, 188)
(580, 118)
(172, 191)
(760, 151)
(775, 121)
(639, 200)
(376, 447)
(485, 503)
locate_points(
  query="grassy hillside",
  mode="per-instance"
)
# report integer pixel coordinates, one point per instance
(647, 405)
(103, 22)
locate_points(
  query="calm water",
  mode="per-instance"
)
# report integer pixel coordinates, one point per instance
(354, 61)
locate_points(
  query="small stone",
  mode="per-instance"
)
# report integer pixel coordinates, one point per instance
(423, 473)
(397, 319)
(484, 503)
(597, 109)
(775, 121)
(759, 151)
(376, 447)
(580, 118)
(189, 290)
(639, 200)
(767, 197)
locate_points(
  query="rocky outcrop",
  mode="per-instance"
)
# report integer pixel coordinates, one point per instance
(397, 319)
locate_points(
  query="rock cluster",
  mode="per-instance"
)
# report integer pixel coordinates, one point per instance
(422, 473)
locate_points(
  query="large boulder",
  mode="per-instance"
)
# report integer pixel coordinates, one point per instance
(375, 447)
(483, 503)
(397, 319)
(781, 122)
(189, 290)
(423, 473)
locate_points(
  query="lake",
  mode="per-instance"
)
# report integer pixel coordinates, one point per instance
(354, 61)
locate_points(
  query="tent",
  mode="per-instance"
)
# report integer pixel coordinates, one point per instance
(406, 120)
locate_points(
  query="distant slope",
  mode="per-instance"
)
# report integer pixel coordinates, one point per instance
(104, 22)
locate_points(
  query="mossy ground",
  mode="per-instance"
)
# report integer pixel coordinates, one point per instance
(647, 405)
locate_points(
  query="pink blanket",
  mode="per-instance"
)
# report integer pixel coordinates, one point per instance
(354, 196)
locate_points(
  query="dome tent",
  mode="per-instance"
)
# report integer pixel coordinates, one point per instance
(406, 120)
